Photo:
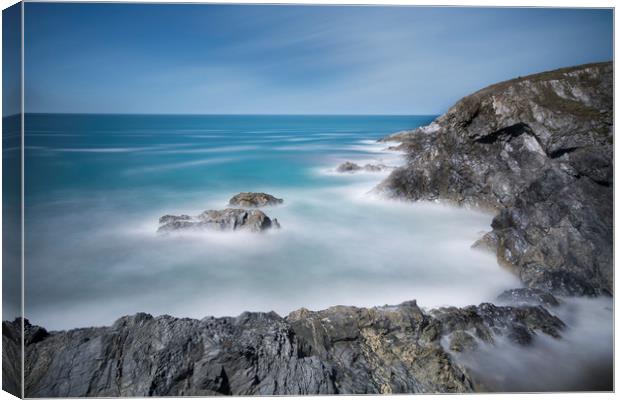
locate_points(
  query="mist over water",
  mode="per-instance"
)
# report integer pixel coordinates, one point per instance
(581, 360)
(97, 185)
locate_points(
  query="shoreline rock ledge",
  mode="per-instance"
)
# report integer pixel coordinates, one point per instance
(340, 350)
(537, 150)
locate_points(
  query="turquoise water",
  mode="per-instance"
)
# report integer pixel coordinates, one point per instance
(97, 184)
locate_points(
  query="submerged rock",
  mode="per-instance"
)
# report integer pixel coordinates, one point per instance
(537, 150)
(230, 219)
(251, 199)
(349, 166)
(340, 350)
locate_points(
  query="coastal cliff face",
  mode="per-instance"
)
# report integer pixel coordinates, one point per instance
(391, 349)
(538, 151)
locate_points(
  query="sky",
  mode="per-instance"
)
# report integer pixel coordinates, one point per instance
(11, 60)
(232, 59)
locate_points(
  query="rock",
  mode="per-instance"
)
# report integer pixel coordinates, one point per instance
(349, 166)
(538, 151)
(250, 199)
(397, 137)
(528, 296)
(461, 341)
(230, 219)
(340, 350)
(11, 357)
(375, 167)
(519, 324)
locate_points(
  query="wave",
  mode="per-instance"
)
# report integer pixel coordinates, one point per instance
(182, 164)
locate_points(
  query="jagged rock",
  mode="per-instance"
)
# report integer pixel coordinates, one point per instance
(11, 357)
(518, 323)
(461, 341)
(250, 199)
(349, 166)
(344, 350)
(538, 151)
(230, 219)
(528, 296)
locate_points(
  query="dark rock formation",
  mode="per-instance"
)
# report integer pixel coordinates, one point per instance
(391, 349)
(538, 150)
(11, 357)
(528, 296)
(230, 219)
(250, 199)
(349, 166)
(485, 321)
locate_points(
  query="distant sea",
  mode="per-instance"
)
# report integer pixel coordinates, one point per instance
(97, 184)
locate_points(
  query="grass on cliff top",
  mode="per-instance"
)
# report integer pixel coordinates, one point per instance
(549, 75)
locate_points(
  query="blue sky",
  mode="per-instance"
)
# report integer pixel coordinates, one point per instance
(11, 60)
(219, 59)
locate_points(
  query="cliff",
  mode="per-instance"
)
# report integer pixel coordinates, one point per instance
(537, 150)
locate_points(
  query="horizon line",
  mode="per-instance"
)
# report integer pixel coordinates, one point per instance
(227, 114)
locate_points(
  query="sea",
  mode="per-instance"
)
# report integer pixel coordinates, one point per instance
(96, 185)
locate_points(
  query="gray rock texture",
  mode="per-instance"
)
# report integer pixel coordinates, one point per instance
(230, 219)
(390, 349)
(11, 357)
(349, 166)
(538, 151)
(528, 296)
(251, 199)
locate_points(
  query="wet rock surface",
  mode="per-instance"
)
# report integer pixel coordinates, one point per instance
(230, 219)
(349, 166)
(251, 199)
(538, 151)
(528, 296)
(390, 349)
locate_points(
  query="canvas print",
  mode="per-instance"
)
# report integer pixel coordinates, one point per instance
(232, 199)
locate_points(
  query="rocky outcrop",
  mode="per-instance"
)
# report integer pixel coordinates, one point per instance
(484, 322)
(11, 357)
(528, 296)
(230, 219)
(349, 166)
(538, 151)
(251, 199)
(390, 349)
